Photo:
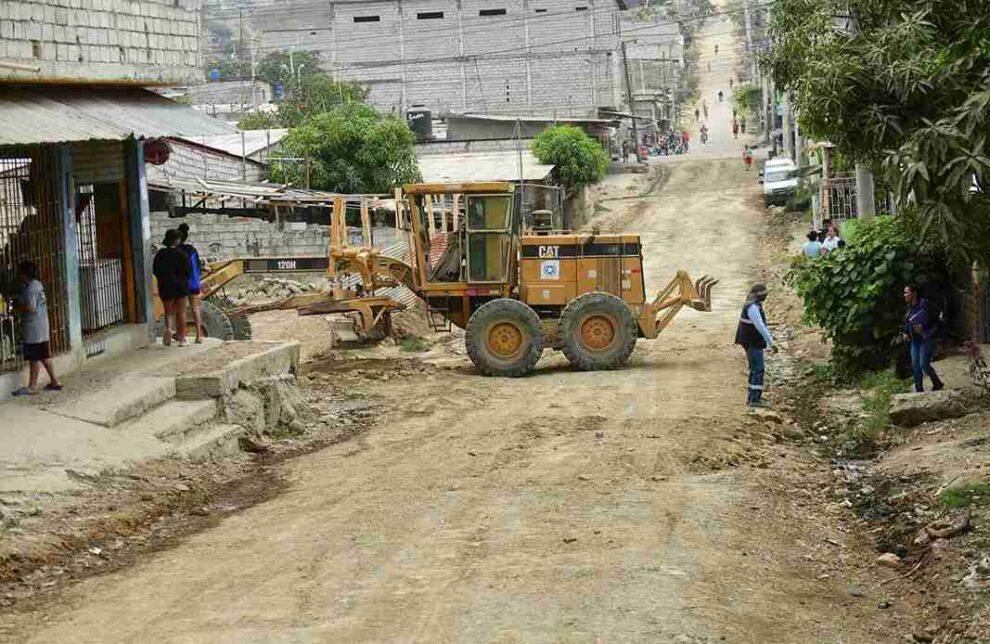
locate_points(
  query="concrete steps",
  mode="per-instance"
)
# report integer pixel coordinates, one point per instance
(211, 441)
(121, 400)
(174, 419)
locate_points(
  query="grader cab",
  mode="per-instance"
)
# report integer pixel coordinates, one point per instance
(516, 293)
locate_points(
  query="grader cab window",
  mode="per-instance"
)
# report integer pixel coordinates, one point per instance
(489, 223)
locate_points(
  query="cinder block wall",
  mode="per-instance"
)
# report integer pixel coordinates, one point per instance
(222, 237)
(144, 42)
(570, 65)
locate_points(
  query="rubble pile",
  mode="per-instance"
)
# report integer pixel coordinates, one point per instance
(273, 288)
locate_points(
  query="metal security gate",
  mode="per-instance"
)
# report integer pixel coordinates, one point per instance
(31, 230)
(99, 243)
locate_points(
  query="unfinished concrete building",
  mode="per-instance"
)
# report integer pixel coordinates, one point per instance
(490, 56)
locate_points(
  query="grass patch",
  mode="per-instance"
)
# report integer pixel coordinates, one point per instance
(966, 496)
(414, 344)
(879, 387)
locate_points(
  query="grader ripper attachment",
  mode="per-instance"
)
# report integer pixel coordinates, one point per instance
(517, 292)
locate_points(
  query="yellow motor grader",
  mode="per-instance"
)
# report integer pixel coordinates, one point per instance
(518, 292)
(515, 292)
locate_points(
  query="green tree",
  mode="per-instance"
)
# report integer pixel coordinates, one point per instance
(905, 88)
(288, 68)
(317, 94)
(580, 160)
(855, 294)
(351, 148)
(259, 121)
(747, 97)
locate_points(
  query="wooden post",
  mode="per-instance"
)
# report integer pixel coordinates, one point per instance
(398, 209)
(457, 212)
(366, 223)
(443, 214)
(428, 199)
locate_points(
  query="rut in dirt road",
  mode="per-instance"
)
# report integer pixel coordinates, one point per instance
(564, 506)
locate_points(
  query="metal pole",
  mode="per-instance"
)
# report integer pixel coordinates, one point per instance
(522, 181)
(243, 159)
(629, 97)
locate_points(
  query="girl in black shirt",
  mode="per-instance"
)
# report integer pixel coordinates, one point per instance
(172, 270)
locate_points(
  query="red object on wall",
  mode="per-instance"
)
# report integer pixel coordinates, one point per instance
(156, 151)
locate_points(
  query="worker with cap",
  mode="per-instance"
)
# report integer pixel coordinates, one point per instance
(752, 334)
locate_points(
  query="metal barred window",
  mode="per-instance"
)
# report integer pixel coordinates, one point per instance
(31, 230)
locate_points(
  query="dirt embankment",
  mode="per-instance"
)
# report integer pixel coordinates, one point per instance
(919, 498)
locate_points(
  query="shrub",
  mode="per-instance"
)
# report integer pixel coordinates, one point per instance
(580, 160)
(855, 294)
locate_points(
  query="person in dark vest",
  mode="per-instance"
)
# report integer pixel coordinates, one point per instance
(752, 334)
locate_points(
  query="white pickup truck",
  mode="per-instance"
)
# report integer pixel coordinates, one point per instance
(780, 181)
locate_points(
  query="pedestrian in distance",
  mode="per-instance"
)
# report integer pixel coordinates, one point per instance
(735, 129)
(195, 279)
(748, 157)
(754, 337)
(697, 114)
(172, 272)
(920, 326)
(716, 50)
(720, 96)
(812, 248)
(35, 330)
(742, 124)
(730, 83)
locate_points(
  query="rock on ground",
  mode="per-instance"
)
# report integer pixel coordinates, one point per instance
(908, 410)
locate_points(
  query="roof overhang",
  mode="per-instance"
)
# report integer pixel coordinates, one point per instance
(38, 114)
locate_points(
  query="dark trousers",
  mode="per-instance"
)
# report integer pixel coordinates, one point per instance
(757, 367)
(921, 363)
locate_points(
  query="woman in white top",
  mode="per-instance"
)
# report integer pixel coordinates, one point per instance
(831, 241)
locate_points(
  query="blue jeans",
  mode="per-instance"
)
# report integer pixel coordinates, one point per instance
(921, 363)
(757, 367)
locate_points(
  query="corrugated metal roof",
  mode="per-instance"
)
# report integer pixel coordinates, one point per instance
(254, 140)
(465, 168)
(55, 114)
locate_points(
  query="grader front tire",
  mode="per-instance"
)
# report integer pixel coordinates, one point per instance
(598, 331)
(504, 338)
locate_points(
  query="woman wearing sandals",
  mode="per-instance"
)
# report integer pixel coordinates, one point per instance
(172, 271)
(33, 307)
(195, 277)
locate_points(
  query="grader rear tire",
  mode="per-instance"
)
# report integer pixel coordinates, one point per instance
(504, 338)
(598, 331)
(216, 324)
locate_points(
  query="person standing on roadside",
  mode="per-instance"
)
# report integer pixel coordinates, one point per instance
(35, 331)
(171, 270)
(742, 124)
(919, 327)
(195, 279)
(754, 337)
(735, 129)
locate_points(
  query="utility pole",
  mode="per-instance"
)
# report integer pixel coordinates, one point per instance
(240, 48)
(788, 126)
(629, 97)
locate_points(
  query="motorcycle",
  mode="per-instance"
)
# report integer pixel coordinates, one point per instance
(704, 136)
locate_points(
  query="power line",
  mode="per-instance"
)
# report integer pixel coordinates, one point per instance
(529, 48)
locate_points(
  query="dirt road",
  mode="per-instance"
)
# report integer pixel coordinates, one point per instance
(560, 507)
(616, 506)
